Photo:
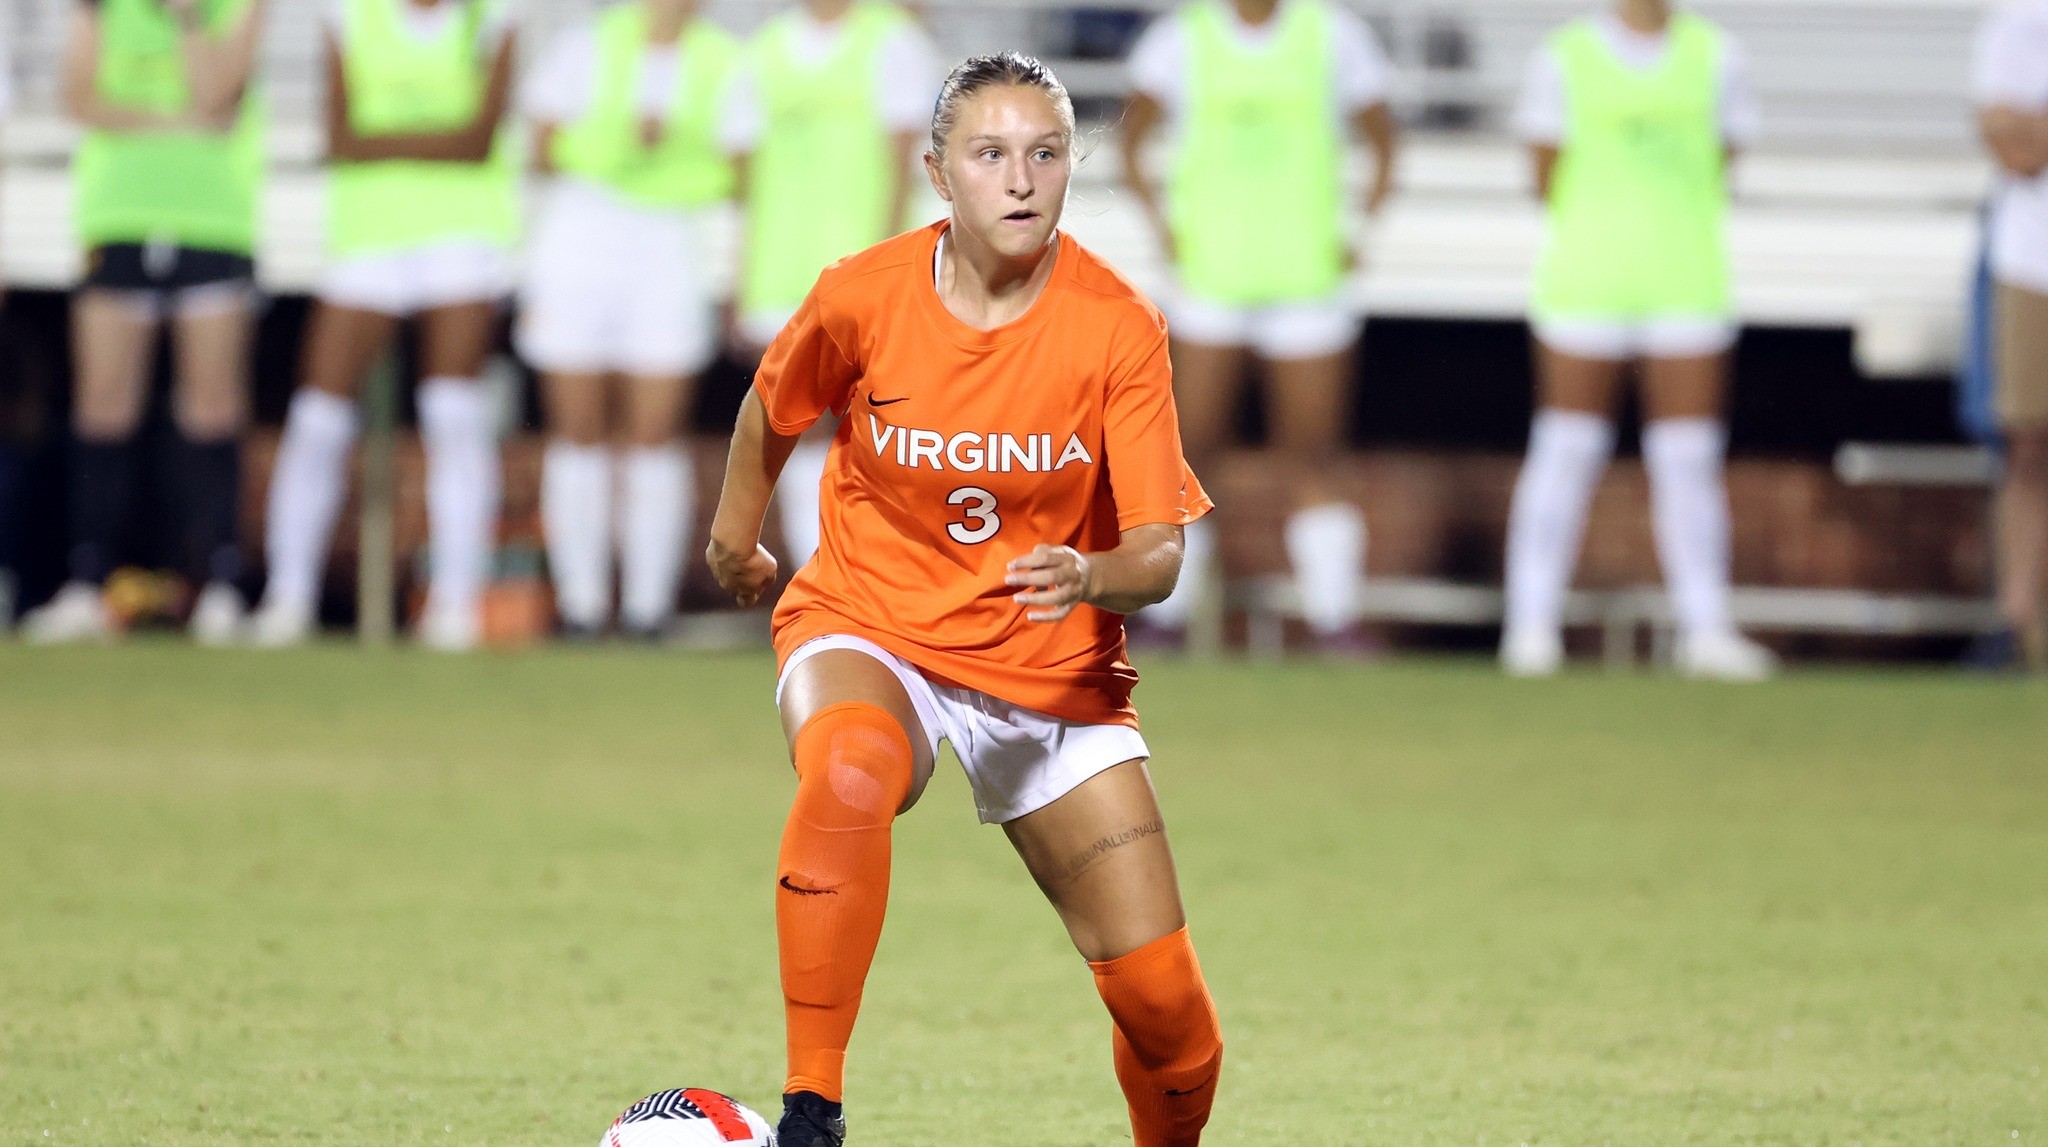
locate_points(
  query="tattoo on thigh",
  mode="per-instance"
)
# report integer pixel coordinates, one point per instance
(1094, 854)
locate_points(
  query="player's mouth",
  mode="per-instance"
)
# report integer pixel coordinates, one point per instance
(1021, 217)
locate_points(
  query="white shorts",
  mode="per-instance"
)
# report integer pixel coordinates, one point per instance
(761, 327)
(612, 286)
(1315, 328)
(1621, 340)
(421, 278)
(1017, 760)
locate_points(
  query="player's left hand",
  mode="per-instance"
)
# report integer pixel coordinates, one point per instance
(1058, 577)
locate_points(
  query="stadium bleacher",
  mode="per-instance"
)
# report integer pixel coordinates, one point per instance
(1858, 210)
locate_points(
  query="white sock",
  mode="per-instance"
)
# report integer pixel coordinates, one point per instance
(1689, 508)
(463, 480)
(1547, 519)
(656, 516)
(306, 486)
(796, 497)
(1197, 573)
(576, 513)
(1326, 545)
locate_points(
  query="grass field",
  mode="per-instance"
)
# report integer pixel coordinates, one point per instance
(337, 898)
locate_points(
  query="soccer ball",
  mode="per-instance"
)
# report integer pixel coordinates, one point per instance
(688, 1117)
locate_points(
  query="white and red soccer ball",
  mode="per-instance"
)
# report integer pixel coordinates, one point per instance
(688, 1117)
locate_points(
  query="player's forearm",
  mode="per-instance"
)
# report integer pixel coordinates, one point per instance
(1376, 124)
(221, 66)
(2018, 140)
(752, 465)
(468, 145)
(1140, 571)
(1543, 163)
(1141, 117)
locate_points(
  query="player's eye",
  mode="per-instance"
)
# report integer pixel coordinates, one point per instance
(991, 153)
(1046, 155)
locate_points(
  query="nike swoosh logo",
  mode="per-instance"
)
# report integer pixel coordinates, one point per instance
(803, 891)
(873, 401)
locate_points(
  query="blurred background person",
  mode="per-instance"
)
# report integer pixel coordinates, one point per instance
(422, 217)
(616, 315)
(844, 86)
(1633, 117)
(167, 180)
(2011, 90)
(1258, 97)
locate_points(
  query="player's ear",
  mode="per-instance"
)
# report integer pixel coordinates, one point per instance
(935, 169)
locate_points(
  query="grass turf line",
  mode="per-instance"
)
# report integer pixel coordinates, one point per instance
(339, 898)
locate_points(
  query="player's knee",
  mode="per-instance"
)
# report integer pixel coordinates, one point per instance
(1162, 1005)
(854, 767)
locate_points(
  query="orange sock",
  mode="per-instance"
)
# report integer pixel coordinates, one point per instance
(1169, 1048)
(853, 765)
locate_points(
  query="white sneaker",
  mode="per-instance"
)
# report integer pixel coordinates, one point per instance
(1724, 656)
(217, 616)
(1531, 652)
(279, 625)
(78, 613)
(446, 630)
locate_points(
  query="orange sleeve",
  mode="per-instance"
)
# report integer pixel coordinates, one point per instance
(1148, 476)
(804, 372)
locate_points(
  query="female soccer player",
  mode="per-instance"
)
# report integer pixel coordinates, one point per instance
(422, 214)
(616, 315)
(1633, 117)
(1006, 482)
(1259, 96)
(167, 181)
(844, 86)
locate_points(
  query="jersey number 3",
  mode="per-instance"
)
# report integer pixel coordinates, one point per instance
(982, 522)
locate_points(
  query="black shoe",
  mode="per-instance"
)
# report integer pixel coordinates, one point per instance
(571, 633)
(1996, 652)
(810, 1120)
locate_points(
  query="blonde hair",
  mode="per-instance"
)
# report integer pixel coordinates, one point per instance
(1013, 69)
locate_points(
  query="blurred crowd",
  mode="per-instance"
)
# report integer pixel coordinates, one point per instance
(1234, 142)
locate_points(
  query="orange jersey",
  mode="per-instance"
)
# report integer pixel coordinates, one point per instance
(960, 449)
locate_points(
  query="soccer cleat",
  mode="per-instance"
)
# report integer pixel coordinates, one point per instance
(1531, 652)
(1352, 643)
(1996, 652)
(279, 625)
(810, 1120)
(635, 633)
(78, 613)
(218, 616)
(445, 630)
(1724, 656)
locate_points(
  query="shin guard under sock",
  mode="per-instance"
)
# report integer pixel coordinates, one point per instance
(102, 481)
(210, 481)
(853, 764)
(1169, 1046)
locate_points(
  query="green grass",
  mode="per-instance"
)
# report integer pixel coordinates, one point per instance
(336, 898)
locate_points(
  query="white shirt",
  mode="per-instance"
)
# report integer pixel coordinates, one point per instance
(907, 78)
(1360, 74)
(1541, 115)
(559, 88)
(2011, 71)
(426, 23)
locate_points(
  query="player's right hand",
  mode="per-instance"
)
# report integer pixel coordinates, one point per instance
(744, 575)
